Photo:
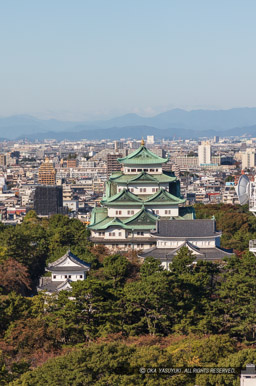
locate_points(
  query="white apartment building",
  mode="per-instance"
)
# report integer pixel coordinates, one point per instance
(204, 153)
(249, 158)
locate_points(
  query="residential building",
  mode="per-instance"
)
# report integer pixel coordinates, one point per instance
(249, 158)
(112, 163)
(204, 153)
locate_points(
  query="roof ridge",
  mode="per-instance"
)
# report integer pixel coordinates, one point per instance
(148, 154)
(72, 257)
(166, 194)
(138, 214)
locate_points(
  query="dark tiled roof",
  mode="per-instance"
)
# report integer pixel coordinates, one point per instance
(72, 257)
(67, 268)
(48, 285)
(186, 228)
(204, 253)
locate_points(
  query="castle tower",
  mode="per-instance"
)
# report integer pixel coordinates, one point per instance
(135, 198)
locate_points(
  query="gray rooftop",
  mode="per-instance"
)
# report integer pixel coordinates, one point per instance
(67, 268)
(185, 228)
(72, 257)
(46, 284)
(209, 254)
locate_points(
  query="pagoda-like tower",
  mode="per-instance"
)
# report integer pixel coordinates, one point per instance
(135, 198)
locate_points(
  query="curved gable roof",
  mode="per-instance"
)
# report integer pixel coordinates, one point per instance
(142, 156)
(125, 196)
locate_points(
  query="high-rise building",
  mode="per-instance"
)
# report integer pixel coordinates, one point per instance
(2, 160)
(46, 173)
(112, 163)
(118, 145)
(249, 159)
(150, 139)
(48, 200)
(204, 153)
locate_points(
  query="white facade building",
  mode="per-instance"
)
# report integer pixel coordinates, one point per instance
(249, 159)
(204, 153)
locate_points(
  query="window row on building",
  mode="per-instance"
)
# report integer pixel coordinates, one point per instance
(67, 277)
(141, 190)
(152, 170)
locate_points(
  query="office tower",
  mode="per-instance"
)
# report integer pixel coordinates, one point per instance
(46, 173)
(48, 200)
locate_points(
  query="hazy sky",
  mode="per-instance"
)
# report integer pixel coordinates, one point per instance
(80, 59)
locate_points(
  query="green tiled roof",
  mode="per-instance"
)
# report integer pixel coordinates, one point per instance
(142, 156)
(98, 214)
(164, 197)
(143, 217)
(141, 220)
(187, 213)
(123, 197)
(143, 177)
(126, 198)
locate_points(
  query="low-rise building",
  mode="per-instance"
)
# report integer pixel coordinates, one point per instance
(65, 270)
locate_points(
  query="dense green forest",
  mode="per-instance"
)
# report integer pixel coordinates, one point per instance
(125, 315)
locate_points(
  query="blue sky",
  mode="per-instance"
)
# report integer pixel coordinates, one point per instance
(86, 59)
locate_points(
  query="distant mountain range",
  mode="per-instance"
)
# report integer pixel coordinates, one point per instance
(174, 123)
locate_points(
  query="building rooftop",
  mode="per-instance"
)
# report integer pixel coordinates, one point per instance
(186, 228)
(210, 254)
(142, 156)
(143, 177)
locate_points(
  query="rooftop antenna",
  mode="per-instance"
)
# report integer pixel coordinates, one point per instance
(243, 189)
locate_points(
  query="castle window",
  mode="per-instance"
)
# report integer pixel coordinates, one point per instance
(119, 233)
(69, 276)
(132, 190)
(54, 276)
(133, 170)
(152, 170)
(144, 190)
(81, 276)
(157, 211)
(132, 211)
(145, 170)
(156, 170)
(66, 276)
(139, 170)
(141, 190)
